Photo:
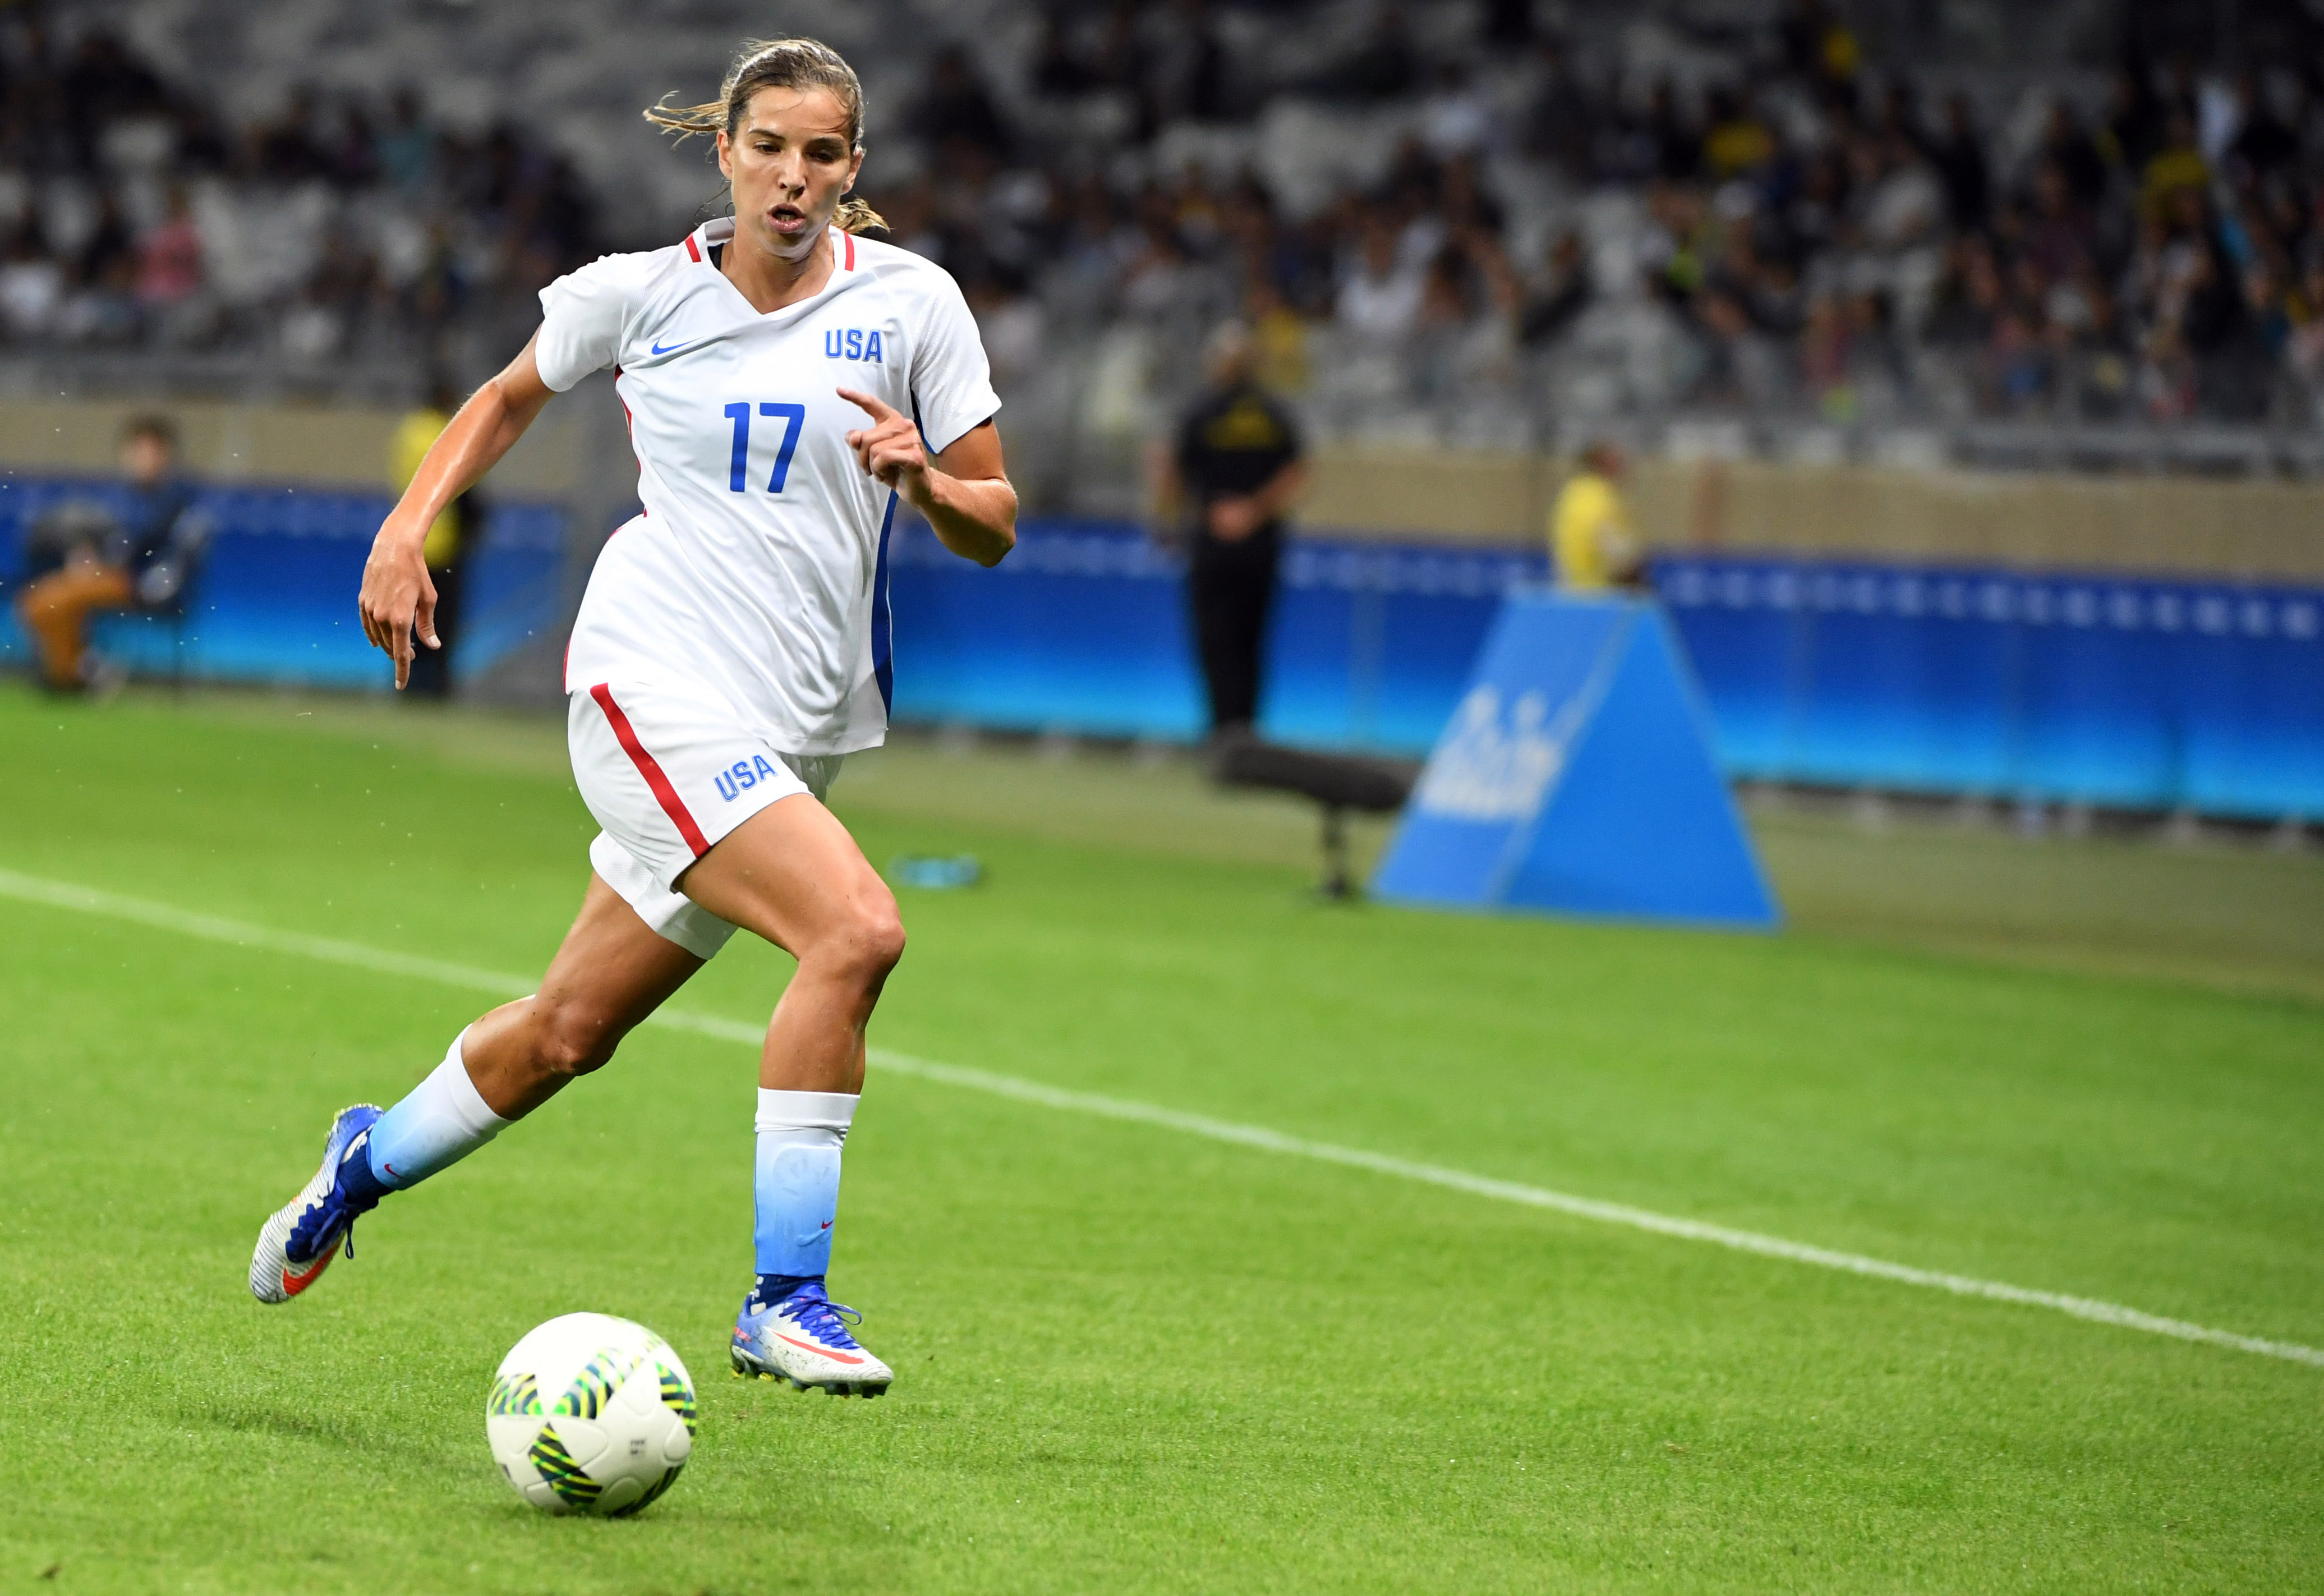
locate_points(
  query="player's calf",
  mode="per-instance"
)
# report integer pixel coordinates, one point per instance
(788, 1328)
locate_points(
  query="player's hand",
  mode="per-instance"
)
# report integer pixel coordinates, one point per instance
(890, 448)
(1232, 520)
(397, 597)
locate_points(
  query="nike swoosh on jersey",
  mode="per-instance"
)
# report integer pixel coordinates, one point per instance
(674, 348)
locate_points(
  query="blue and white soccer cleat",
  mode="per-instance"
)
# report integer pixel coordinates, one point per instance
(804, 1339)
(300, 1241)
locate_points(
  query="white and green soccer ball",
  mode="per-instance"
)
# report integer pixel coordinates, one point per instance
(591, 1413)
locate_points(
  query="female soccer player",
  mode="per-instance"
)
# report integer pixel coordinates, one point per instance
(787, 383)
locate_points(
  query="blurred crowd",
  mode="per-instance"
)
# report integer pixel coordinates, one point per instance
(134, 213)
(1463, 221)
(1493, 219)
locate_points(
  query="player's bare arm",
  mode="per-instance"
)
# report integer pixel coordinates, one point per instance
(397, 598)
(964, 493)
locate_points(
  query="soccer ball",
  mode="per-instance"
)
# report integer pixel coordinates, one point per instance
(591, 1413)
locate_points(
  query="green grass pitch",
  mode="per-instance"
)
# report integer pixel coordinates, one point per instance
(1128, 1358)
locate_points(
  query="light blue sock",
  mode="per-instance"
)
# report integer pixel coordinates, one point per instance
(441, 1122)
(796, 1180)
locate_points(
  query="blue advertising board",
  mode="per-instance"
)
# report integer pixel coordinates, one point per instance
(2138, 692)
(2142, 693)
(1577, 778)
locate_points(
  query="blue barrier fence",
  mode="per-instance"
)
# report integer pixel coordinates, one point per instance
(2144, 693)
(2100, 690)
(1084, 629)
(274, 600)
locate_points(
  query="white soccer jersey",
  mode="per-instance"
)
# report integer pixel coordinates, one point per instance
(759, 570)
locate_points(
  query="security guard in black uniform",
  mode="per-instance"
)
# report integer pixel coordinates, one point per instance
(1235, 469)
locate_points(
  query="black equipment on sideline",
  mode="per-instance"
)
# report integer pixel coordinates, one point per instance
(1338, 782)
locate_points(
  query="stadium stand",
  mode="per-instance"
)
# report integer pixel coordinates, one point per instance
(152, 217)
(2073, 238)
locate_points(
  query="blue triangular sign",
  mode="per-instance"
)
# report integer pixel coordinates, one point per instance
(1576, 778)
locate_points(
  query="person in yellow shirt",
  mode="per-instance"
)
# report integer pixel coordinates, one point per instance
(2178, 167)
(1589, 537)
(449, 539)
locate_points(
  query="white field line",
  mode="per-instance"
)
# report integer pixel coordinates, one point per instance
(383, 962)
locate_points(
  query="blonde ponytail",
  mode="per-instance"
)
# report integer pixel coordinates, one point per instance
(855, 216)
(686, 121)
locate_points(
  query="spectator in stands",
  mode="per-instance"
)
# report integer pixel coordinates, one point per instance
(955, 108)
(1673, 141)
(2178, 167)
(286, 148)
(1562, 294)
(1959, 156)
(2094, 353)
(1233, 471)
(1456, 118)
(1737, 141)
(1010, 325)
(1821, 49)
(1591, 544)
(2068, 145)
(406, 153)
(31, 285)
(2058, 236)
(1379, 297)
(1559, 125)
(2304, 344)
(1280, 336)
(1186, 65)
(143, 560)
(2263, 143)
(1059, 70)
(1724, 328)
(169, 258)
(102, 310)
(2134, 119)
(1384, 67)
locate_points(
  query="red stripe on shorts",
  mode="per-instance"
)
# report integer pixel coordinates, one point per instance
(664, 793)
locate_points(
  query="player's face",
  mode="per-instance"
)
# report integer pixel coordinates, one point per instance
(788, 161)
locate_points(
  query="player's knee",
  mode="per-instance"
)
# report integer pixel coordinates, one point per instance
(567, 1041)
(870, 942)
(879, 940)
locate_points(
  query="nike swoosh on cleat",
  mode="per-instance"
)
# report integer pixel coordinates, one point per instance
(673, 349)
(811, 1347)
(295, 1284)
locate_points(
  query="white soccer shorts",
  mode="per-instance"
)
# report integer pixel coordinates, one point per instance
(669, 772)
